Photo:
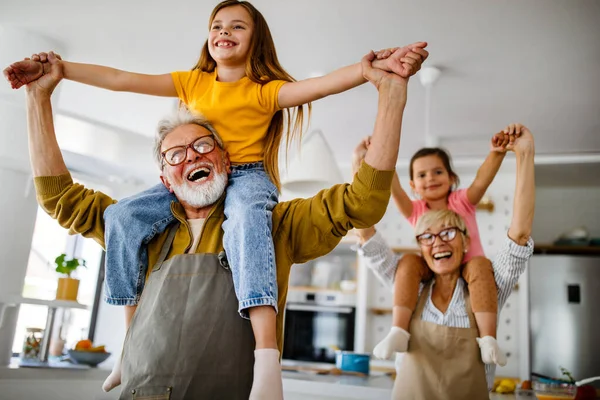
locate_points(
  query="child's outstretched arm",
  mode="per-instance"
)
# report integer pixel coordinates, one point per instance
(405, 61)
(28, 70)
(403, 202)
(501, 142)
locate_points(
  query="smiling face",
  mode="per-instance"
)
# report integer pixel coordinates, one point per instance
(443, 257)
(230, 36)
(200, 180)
(430, 179)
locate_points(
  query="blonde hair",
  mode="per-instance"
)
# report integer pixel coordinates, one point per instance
(446, 217)
(262, 66)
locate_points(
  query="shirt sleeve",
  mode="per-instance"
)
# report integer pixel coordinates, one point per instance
(313, 227)
(268, 95)
(509, 264)
(76, 208)
(380, 259)
(460, 197)
(417, 210)
(186, 83)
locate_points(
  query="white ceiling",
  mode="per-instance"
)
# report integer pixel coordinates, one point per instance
(535, 61)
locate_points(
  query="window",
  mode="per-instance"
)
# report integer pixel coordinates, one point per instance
(49, 241)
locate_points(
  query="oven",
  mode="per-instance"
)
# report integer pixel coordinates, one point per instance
(317, 324)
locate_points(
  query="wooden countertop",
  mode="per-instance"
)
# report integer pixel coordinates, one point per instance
(566, 250)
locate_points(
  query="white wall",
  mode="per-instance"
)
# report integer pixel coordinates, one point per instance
(17, 218)
(559, 209)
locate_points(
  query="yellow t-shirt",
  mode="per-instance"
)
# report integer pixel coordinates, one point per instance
(240, 111)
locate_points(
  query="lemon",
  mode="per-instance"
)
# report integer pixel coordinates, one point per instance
(506, 386)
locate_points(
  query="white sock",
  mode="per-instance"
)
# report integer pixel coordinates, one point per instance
(114, 379)
(267, 384)
(395, 341)
(491, 352)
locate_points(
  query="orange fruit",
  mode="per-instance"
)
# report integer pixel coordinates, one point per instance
(83, 344)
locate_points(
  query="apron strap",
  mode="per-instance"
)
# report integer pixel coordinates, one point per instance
(467, 297)
(423, 299)
(166, 247)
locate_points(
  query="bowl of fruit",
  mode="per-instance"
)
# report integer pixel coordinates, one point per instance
(554, 390)
(547, 388)
(88, 354)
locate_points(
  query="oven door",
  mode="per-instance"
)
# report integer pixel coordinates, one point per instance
(313, 332)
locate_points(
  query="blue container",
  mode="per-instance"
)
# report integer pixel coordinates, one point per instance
(352, 362)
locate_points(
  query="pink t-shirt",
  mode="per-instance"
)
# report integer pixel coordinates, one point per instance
(460, 204)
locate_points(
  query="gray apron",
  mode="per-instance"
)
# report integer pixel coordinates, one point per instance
(442, 362)
(186, 339)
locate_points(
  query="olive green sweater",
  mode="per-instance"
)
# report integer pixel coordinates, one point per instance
(303, 229)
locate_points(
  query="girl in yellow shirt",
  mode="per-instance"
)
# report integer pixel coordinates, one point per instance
(240, 87)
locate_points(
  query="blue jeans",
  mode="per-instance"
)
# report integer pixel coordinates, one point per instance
(131, 223)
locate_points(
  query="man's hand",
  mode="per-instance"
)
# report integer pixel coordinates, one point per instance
(504, 141)
(52, 74)
(30, 69)
(403, 61)
(524, 143)
(379, 77)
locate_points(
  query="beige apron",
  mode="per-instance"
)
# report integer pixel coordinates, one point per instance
(186, 339)
(442, 363)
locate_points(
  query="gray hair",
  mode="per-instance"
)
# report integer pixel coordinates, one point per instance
(181, 117)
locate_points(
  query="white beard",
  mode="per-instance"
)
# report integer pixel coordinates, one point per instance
(204, 195)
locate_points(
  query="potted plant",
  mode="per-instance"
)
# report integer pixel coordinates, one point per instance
(67, 286)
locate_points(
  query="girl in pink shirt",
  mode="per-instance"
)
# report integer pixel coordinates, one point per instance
(435, 184)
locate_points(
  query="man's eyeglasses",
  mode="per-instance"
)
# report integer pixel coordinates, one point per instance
(176, 155)
(446, 235)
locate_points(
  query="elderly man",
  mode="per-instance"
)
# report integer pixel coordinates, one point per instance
(186, 340)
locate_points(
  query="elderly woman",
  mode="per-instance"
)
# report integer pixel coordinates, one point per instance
(443, 359)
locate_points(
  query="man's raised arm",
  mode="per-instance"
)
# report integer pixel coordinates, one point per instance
(385, 141)
(315, 225)
(76, 208)
(44, 153)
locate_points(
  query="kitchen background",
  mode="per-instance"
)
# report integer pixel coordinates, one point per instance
(536, 62)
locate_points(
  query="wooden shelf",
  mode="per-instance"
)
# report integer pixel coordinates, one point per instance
(47, 303)
(486, 205)
(406, 250)
(567, 250)
(381, 311)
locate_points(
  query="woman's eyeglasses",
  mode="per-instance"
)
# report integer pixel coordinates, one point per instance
(446, 235)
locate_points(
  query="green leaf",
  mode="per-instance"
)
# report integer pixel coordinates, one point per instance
(566, 373)
(60, 259)
(67, 267)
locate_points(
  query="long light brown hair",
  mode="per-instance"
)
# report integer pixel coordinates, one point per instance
(262, 66)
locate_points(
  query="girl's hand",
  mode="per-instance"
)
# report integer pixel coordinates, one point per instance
(403, 61)
(30, 69)
(504, 141)
(501, 141)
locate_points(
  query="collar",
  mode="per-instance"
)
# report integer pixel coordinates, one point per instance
(216, 210)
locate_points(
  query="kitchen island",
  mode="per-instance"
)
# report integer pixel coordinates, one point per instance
(69, 384)
(301, 386)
